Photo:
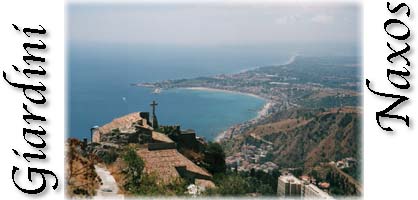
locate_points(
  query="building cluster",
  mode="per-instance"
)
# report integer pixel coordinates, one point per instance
(344, 163)
(290, 186)
(251, 157)
(237, 129)
(157, 150)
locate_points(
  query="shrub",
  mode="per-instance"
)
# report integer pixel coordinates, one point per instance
(133, 171)
(108, 157)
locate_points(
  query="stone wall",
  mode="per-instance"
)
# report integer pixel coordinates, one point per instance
(189, 175)
(161, 146)
(188, 140)
(141, 136)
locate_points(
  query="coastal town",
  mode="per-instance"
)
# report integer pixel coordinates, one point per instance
(291, 149)
(163, 155)
(214, 100)
(283, 87)
(251, 158)
(292, 86)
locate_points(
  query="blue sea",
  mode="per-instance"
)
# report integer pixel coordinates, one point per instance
(100, 76)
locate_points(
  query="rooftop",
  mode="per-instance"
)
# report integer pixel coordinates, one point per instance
(163, 163)
(161, 137)
(125, 124)
(289, 178)
(318, 191)
(188, 131)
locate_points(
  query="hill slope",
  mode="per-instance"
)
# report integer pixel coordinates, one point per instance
(306, 137)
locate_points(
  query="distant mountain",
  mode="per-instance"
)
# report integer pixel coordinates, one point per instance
(306, 137)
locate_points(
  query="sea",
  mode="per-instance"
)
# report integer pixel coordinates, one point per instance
(100, 78)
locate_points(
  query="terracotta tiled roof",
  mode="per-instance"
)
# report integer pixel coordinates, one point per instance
(163, 163)
(124, 124)
(161, 137)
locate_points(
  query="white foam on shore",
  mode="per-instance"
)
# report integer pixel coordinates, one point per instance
(225, 91)
(264, 111)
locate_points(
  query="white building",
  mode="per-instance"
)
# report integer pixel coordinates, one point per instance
(313, 192)
(289, 186)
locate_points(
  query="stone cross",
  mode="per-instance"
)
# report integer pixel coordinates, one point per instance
(153, 105)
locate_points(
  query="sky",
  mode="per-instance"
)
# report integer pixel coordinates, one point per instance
(214, 23)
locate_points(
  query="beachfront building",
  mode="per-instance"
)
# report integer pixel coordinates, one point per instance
(289, 186)
(312, 192)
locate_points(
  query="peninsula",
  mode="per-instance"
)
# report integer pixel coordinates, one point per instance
(308, 132)
(309, 126)
(302, 82)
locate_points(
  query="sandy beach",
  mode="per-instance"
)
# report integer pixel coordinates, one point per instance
(265, 110)
(221, 90)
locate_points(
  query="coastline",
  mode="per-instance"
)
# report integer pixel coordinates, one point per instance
(262, 113)
(290, 61)
(229, 132)
(225, 91)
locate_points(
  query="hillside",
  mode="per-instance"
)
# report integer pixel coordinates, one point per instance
(306, 137)
(81, 177)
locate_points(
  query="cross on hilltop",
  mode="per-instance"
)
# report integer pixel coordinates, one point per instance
(154, 117)
(153, 105)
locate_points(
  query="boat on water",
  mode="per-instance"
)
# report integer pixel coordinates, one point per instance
(157, 91)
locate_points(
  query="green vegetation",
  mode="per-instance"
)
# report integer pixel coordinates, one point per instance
(345, 120)
(269, 157)
(230, 185)
(330, 102)
(139, 183)
(245, 183)
(108, 157)
(214, 160)
(133, 171)
(149, 187)
(340, 185)
(354, 171)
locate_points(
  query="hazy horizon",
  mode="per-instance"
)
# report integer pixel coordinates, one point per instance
(215, 24)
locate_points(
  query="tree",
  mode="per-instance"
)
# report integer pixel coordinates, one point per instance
(109, 156)
(230, 185)
(215, 158)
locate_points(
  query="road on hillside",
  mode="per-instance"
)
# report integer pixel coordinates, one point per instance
(109, 189)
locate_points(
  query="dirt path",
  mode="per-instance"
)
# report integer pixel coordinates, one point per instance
(109, 189)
